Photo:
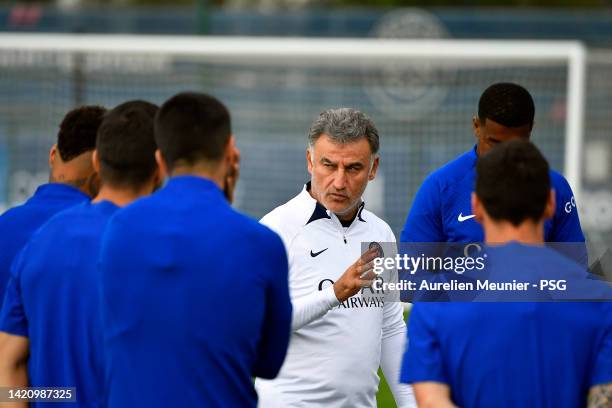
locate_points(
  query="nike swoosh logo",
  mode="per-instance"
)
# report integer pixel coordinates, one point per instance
(313, 254)
(462, 218)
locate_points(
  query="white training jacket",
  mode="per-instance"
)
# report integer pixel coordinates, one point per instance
(336, 348)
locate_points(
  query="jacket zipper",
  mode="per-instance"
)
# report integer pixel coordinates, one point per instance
(343, 232)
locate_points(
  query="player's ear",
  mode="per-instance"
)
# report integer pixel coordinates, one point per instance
(374, 168)
(52, 155)
(476, 126)
(477, 208)
(309, 159)
(161, 164)
(95, 161)
(231, 150)
(232, 158)
(551, 205)
(232, 171)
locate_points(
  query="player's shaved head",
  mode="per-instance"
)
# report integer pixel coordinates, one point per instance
(513, 182)
(508, 104)
(126, 145)
(192, 127)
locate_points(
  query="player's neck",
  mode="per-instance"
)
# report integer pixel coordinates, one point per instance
(72, 178)
(528, 232)
(211, 173)
(120, 196)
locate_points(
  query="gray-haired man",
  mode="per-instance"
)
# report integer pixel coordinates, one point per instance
(340, 337)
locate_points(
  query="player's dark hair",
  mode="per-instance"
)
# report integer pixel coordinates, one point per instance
(513, 182)
(126, 144)
(508, 104)
(192, 127)
(77, 132)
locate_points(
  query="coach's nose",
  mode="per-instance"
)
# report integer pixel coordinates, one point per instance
(340, 179)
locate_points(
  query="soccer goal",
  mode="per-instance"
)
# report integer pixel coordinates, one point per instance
(422, 94)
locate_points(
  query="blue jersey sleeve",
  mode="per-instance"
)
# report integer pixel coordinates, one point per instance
(566, 223)
(276, 328)
(13, 319)
(424, 221)
(602, 372)
(423, 358)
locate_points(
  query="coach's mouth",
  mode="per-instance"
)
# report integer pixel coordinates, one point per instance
(337, 197)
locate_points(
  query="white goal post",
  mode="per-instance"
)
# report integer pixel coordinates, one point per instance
(261, 51)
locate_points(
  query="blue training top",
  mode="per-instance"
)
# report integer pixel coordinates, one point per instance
(19, 223)
(195, 300)
(513, 354)
(53, 298)
(442, 209)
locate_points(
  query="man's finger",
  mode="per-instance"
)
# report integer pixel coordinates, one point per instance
(363, 269)
(368, 275)
(369, 255)
(366, 283)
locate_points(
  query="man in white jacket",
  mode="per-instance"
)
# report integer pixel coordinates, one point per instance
(342, 329)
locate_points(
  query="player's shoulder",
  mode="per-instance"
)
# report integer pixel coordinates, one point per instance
(583, 283)
(59, 225)
(256, 239)
(552, 256)
(65, 219)
(139, 214)
(19, 213)
(559, 182)
(250, 227)
(451, 172)
(13, 214)
(289, 218)
(144, 203)
(563, 194)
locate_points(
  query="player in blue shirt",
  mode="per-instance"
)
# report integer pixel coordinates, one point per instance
(72, 180)
(441, 210)
(512, 354)
(195, 294)
(51, 316)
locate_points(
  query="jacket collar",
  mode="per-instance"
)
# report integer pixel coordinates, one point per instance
(319, 212)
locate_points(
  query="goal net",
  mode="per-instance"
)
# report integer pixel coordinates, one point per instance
(422, 95)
